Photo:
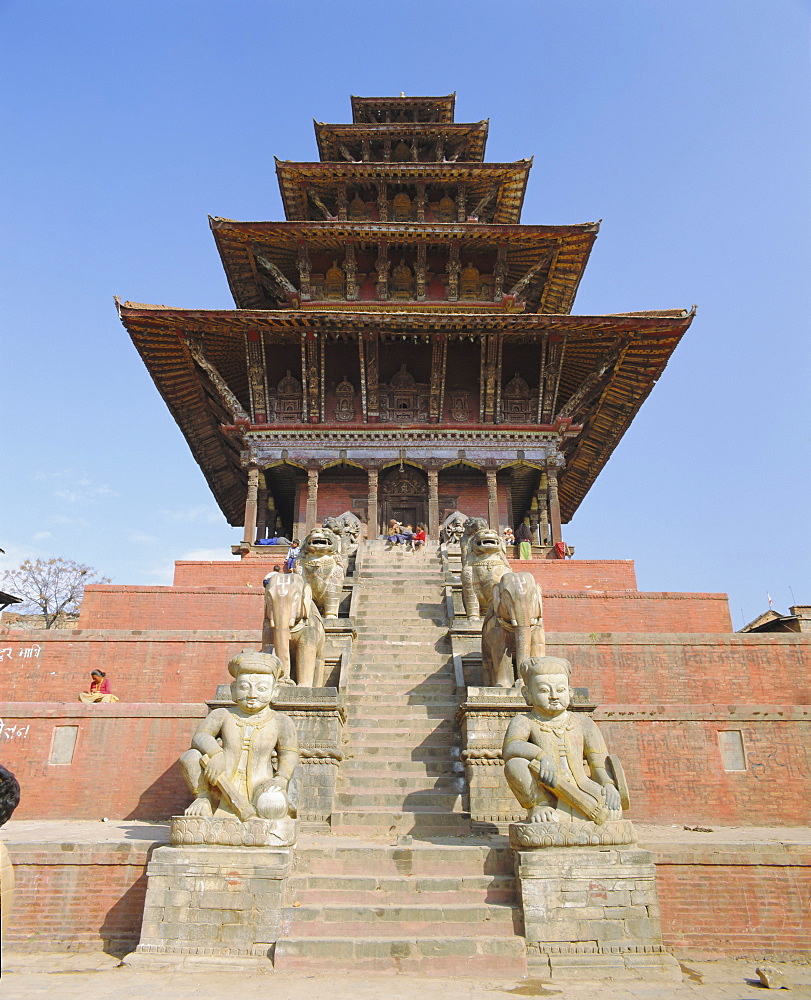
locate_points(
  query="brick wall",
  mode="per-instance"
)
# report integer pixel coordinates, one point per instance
(78, 897)
(675, 770)
(577, 574)
(124, 765)
(617, 668)
(735, 900)
(742, 669)
(141, 667)
(230, 574)
(746, 902)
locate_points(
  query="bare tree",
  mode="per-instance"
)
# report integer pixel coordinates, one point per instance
(51, 587)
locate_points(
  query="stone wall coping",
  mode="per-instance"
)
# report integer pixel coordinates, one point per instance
(119, 710)
(486, 703)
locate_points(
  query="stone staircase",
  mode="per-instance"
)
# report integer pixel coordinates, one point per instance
(401, 884)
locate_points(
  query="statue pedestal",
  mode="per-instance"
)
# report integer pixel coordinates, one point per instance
(590, 912)
(212, 903)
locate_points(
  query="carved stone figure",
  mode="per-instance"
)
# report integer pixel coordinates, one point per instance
(352, 529)
(483, 564)
(513, 628)
(293, 629)
(452, 528)
(556, 762)
(323, 565)
(243, 758)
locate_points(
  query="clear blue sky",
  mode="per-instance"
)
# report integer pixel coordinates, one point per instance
(684, 126)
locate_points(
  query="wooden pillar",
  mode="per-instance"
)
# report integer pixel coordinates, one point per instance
(261, 512)
(543, 508)
(433, 503)
(492, 499)
(554, 506)
(249, 533)
(372, 517)
(534, 520)
(312, 500)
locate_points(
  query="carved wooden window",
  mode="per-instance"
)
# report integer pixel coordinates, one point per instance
(357, 209)
(334, 282)
(469, 283)
(446, 210)
(401, 207)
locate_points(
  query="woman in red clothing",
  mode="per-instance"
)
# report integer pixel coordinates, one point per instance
(419, 537)
(99, 689)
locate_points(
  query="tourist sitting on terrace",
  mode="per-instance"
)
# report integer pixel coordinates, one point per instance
(408, 536)
(395, 535)
(420, 537)
(508, 536)
(292, 556)
(99, 689)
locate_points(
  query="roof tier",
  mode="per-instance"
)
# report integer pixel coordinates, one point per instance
(602, 369)
(446, 192)
(406, 142)
(385, 110)
(273, 265)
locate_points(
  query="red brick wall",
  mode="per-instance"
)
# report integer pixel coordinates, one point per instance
(124, 765)
(674, 769)
(78, 897)
(576, 574)
(747, 903)
(175, 666)
(234, 573)
(750, 902)
(628, 611)
(142, 667)
(742, 669)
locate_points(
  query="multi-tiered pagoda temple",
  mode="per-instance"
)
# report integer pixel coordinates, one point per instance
(402, 346)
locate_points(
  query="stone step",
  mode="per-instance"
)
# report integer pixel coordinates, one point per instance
(390, 771)
(451, 860)
(397, 725)
(419, 820)
(382, 779)
(431, 798)
(463, 956)
(397, 890)
(402, 738)
(385, 920)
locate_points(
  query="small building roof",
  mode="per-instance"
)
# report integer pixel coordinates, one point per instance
(469, 138)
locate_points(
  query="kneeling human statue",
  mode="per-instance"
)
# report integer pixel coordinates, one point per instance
(556, 762)
(230, 768)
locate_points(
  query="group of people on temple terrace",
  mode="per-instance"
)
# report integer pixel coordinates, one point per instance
(406, 536)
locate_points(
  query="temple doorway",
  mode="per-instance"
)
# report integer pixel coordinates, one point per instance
(403, 496)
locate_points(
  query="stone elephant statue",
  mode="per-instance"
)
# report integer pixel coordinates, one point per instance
(293, 629)
(484, 562)
(323, 567)
(513, 629)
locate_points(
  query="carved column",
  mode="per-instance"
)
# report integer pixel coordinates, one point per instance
(372, 516)
(365, 150)
(554, 506)
(313, 381)
(304, 271)
(543, 508)
(461, 201)
(420, 272)
(492, 499)
(420, 201)
(534, 519)
(351, 272)
(382, 268)
(342, 202)
(433, 503)
(500, 273)
(439, 359)
(372, 401)
(312, 500)
(382, 202)
(249, 533)
(454, 267)
(254, 350)
(261, 512)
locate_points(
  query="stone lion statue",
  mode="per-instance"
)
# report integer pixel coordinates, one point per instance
(322, 565)
(484, 562)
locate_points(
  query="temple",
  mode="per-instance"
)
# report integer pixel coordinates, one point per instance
(402, 346)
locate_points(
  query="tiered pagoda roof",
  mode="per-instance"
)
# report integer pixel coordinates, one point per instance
(420, 246)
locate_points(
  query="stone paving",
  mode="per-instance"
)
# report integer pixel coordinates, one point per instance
(29, 976)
